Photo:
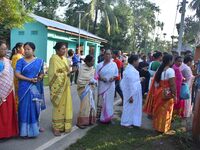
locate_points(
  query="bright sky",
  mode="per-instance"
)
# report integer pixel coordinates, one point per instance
(167, 15)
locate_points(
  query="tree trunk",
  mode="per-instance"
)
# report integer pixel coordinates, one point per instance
(95, 20)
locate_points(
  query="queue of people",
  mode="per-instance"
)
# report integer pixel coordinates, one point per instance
(164, 81)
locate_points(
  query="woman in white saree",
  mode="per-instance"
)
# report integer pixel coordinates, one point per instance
(106, 74)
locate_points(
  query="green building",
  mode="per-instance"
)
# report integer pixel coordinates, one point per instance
(45, 33)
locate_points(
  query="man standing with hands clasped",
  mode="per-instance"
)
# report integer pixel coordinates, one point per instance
(132, 92)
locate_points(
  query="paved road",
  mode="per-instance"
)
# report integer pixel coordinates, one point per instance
(34, 143)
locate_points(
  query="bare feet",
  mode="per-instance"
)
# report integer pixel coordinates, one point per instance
(41, 129)
(56, 132)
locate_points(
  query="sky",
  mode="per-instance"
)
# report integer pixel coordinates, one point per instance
(168, 13)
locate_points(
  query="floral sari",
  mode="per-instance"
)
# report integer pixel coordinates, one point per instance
(31, 97)
(60, 93)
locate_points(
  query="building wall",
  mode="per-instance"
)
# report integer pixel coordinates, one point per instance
(32, 32)
(45, 40)
(72, 46)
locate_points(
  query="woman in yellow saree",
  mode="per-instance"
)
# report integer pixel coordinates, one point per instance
(17, 53)
(60, 94)
(162, 109)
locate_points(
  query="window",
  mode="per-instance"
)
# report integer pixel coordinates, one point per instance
(34, 32)
(21, 32)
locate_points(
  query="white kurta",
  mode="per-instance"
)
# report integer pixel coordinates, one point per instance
(131, 86)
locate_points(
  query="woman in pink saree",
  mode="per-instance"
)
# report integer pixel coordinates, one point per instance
(179, 104)
(106, 74)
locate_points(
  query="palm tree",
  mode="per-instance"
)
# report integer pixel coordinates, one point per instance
(195, 5)
(104, 8)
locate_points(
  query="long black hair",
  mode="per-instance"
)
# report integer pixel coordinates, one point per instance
(14, 50)
(166, 60)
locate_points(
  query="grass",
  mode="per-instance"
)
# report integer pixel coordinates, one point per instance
(115, 137)
(46, 80)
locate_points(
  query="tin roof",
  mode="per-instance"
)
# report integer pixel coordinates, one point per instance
(65, 27)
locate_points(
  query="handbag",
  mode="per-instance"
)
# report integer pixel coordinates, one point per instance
(166, 92)
(185, 91)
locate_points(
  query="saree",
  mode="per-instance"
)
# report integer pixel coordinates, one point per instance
(196, 119)
(179, 106)
(150, 100)
(87, 113)
(189, 79)
(60, 94)
(163, 109)
(106, 91)
(31, 97)
(15, 58)
(8, 116)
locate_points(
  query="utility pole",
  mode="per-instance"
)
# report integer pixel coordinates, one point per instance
(79, 27)
(180, 38)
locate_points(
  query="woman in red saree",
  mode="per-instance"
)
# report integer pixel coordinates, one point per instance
(158, 106)
(8, 116)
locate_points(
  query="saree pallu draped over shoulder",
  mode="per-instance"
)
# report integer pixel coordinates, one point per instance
(106, 91)
(31, 97)
(8, 116)
(60, 93)
(87, 113)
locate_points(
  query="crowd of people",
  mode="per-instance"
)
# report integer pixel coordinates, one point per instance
(168, 84)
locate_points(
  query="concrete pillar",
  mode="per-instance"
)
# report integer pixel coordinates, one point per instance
(86, 48)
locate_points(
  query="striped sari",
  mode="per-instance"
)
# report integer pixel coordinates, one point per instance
(87, 113)
(8, 116)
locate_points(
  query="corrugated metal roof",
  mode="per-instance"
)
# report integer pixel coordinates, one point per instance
(65, 27)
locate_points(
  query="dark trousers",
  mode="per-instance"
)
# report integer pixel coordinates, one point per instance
(118, 89)
(74, 75)
(145, 83)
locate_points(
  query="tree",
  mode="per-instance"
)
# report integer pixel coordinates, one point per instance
(195, 5)
(119, 39)
(12, 14)
(72, 18)
(104, 8)
(144, 22)
(47, 8)
(191, 30)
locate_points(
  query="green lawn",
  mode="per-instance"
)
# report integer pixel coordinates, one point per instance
(115, 137)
